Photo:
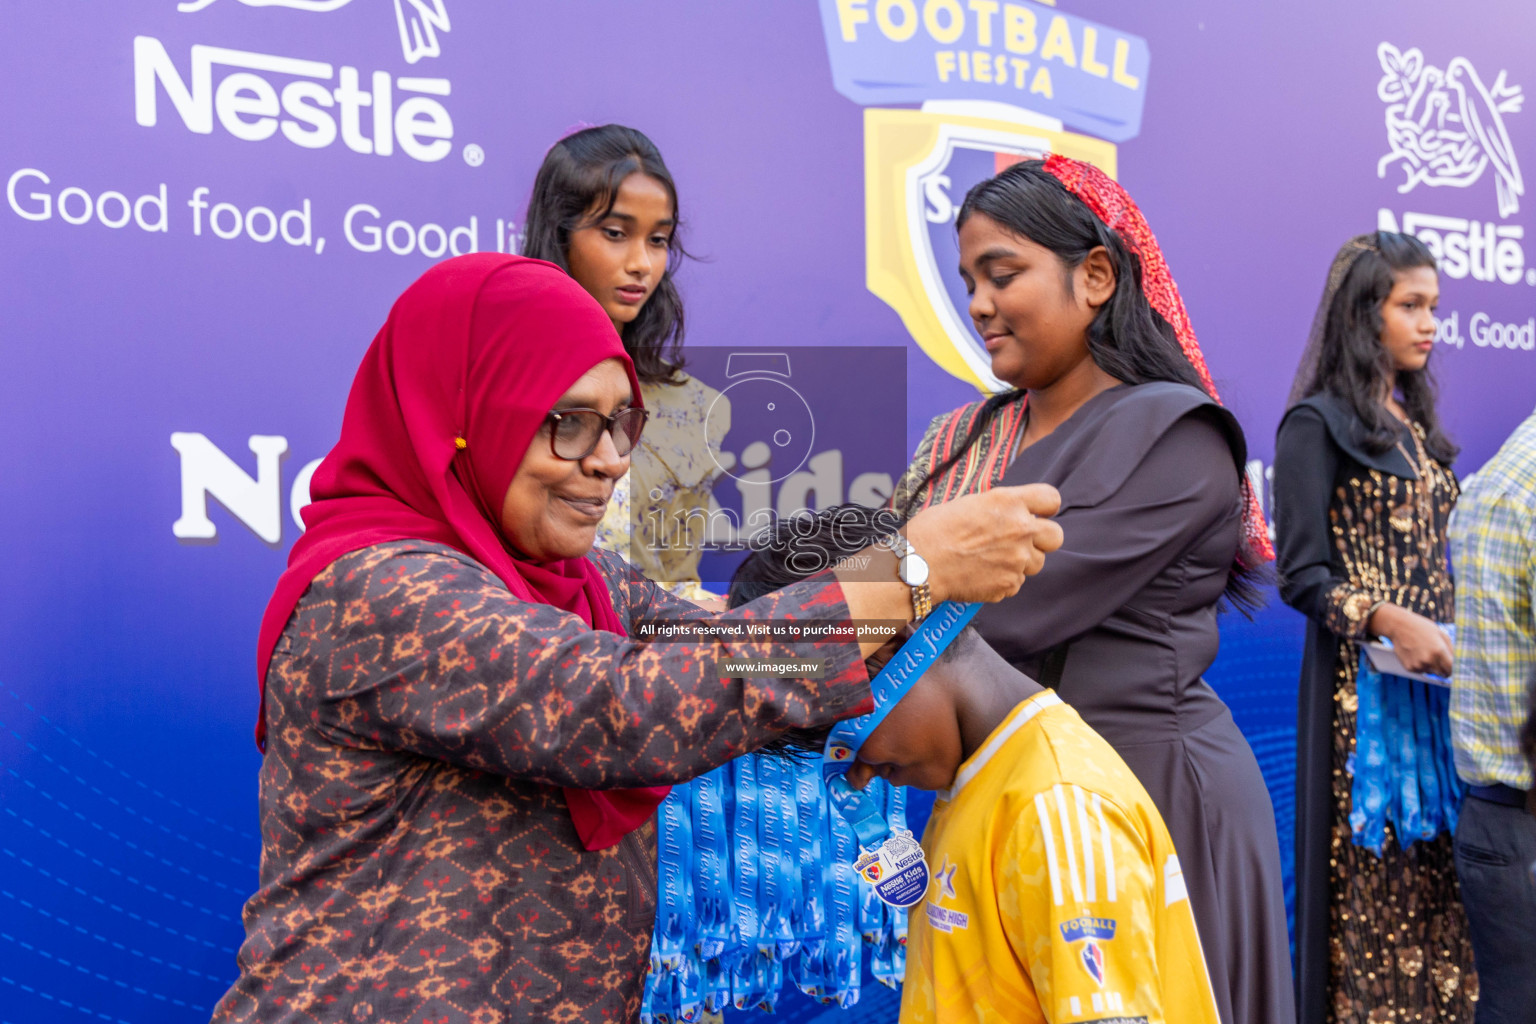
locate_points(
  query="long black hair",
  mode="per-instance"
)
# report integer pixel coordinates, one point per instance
(577, 185)
(1353, 364)
(1128, 339)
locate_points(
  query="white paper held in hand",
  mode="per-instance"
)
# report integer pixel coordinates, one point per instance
(1384, 660)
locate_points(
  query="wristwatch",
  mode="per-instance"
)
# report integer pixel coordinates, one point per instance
(913, 571)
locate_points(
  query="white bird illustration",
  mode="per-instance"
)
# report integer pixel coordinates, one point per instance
(1480, 112)
(419, 21)
(192, 6)
(1446, 127)
(419, 28)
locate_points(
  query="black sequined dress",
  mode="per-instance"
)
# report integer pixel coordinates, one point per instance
(1377, 938)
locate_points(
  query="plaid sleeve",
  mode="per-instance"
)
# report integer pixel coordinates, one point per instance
(1493, 539)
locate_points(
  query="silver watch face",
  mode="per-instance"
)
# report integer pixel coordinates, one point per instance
(914, 571)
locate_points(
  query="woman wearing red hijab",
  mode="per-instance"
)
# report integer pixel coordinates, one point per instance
(463, 747)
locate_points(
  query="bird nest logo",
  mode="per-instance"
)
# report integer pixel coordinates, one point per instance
(1446, 127)
(419, 21)
(320, 6)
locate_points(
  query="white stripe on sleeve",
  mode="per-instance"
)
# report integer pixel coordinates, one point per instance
(1048, 835)
(1089, 882)
(1066, 842)
(1173, 881)
(1109, 850)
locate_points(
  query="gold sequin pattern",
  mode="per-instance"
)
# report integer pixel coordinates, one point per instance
(1398, 945)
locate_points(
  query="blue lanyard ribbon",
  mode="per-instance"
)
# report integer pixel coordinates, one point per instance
(748, 860)
(757, 875)
(675, 913)
(896, 812)
(716, 914)
(892, 683)
(810, 911)
(778, 887)
(841, 963)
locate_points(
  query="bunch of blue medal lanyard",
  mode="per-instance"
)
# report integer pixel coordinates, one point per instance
(1402, 771)
(759, 881)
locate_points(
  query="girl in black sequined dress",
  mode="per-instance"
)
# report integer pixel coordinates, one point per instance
(1363, 492)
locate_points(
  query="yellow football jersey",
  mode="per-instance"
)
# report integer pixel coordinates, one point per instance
(1056, 894)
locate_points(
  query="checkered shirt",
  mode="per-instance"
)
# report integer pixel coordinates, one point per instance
(1493, 550)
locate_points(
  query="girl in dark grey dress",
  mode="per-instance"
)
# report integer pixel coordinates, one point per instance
(1112, 404)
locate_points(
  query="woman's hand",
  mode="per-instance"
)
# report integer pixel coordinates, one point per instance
(980, 547)
(1421, 645)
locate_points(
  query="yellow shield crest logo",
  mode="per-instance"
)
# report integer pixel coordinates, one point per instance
(918, 165)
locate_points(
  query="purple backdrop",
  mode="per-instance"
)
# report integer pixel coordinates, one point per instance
(139, 362)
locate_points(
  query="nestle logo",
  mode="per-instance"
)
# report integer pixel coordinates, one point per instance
(309, 114)
(1482, 250)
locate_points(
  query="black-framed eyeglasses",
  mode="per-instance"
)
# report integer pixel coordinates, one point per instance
(574, 433)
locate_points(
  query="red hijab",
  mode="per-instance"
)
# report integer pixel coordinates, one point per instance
(448, 397)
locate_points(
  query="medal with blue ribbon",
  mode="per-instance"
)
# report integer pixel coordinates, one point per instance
(892, 860)
(759, 877)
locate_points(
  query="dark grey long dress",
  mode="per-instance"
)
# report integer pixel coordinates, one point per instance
(1151, 512)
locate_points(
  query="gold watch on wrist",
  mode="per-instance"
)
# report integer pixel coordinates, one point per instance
(913, 571)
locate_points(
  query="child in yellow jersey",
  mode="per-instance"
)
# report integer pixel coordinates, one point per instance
(1056, 894)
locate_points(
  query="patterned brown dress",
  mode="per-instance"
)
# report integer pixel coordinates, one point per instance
(418, 860)
(1377, 938)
